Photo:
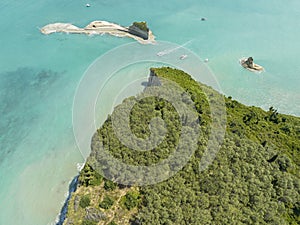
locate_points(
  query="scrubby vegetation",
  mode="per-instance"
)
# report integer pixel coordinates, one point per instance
(254, 178)
(109, 185)
(112, 223)
(131, 200)
(88, 222)
(106, 203)
(141, 25)
(88, 177)
(85, 201)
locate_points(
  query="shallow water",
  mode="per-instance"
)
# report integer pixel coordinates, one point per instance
(39, 75)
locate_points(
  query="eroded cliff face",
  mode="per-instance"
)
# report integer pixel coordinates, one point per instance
(138, 32)
(153, 79)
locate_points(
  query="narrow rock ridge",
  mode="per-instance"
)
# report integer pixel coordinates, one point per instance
(101, 28)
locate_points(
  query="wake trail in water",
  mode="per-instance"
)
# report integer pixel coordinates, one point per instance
(168, 51)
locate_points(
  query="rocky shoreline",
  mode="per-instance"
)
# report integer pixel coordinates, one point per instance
(63, 213)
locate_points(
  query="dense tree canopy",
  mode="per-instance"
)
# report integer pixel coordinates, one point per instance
(254, 178)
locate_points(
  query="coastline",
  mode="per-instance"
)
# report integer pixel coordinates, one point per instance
(64, 210)
(263, 119)
(39, 68)
(96, 28)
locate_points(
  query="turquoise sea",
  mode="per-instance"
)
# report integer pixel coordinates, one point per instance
(39, 75)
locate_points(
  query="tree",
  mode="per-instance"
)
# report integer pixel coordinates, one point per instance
(131, 200)
(106, 203)
(109, 185)
(85, 201)
(254, 178)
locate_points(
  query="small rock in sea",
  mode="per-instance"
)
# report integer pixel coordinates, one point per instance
(203, 19)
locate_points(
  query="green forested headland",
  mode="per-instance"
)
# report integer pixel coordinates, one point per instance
(254, 178)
